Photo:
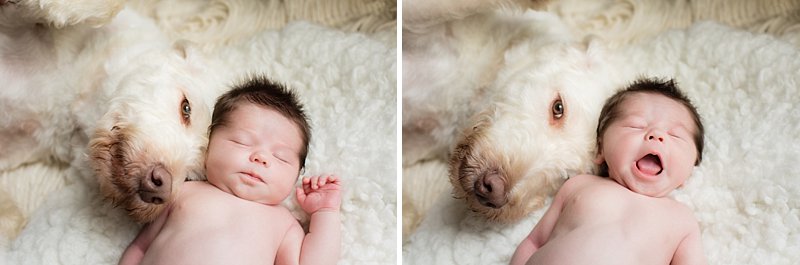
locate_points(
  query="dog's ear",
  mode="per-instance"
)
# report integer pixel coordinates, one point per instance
(596, 49)
(186, 49)
(192, 54)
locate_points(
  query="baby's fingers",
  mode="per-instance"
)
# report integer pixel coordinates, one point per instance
(329, 179)
(317, 182)
(310, 184)
(333, 179)
(322, 180)
(301, 195)
(314, 182)
(305, 185)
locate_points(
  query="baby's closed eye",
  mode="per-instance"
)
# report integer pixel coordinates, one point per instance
(634, 123)
(286, 156)
(281, 157)
(242, 139)
(637, 126)
(679, 133)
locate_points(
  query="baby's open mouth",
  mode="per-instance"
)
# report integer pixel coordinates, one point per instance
(650, 164)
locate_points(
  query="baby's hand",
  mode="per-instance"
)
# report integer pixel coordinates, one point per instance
(319, 193)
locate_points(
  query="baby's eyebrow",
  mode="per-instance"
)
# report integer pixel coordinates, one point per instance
(630, 118)
(281, 149)
(683, 126)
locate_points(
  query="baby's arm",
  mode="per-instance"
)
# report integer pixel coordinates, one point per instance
(690, 250)
(289, 250)
(135, 251)
(321, 198)
(541, 232)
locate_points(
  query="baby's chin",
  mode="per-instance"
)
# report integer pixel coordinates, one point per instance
(261, 197)
(655, 190)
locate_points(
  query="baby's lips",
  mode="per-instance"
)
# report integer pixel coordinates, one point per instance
(255, 176)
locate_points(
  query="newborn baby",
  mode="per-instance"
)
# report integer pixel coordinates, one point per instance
(649, 139)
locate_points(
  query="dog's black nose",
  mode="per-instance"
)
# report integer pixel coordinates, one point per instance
(491, 190)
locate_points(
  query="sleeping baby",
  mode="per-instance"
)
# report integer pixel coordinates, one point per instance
(258, 141)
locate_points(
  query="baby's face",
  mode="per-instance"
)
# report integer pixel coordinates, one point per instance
(650, 149)
(255, 156)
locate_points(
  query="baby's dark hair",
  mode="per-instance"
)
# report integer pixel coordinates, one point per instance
(668, 88)
(264, 93)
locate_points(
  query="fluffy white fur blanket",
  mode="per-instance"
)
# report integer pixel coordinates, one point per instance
(347, 81)
(745, 194)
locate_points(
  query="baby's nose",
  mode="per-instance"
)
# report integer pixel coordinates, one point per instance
(655, 136)
(258, 158)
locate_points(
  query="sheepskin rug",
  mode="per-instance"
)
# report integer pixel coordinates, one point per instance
(745, 194)
(347, 82)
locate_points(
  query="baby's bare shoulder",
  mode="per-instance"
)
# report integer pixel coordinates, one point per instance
(195, 186)
(680, 213)
(578, 181)
(580, 185)
(279, 213)
(582, 178)
(190, 186)
(678, 207)
(570, 186)
(191, 189)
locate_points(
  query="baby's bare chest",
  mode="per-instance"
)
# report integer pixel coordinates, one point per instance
(227, 231)
(230, 215)
(611, 225)
(633, 216)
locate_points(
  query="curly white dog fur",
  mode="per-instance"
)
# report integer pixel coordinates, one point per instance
(449, 63)
(117, 100)
(533, 94)
(58, 13)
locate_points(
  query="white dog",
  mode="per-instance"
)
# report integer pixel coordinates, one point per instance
(117, 100)
(533, 93)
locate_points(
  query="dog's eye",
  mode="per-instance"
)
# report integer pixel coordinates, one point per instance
(186, 111)
(558, 109)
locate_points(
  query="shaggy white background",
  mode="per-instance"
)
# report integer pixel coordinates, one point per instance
(347, 82)
(746, 192)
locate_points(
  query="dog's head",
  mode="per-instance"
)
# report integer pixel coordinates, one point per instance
(153, 135)
(539, 130)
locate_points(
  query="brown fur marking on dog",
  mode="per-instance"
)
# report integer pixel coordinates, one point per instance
(119, 176)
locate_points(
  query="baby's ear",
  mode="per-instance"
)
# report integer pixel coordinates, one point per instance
(598, 158)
